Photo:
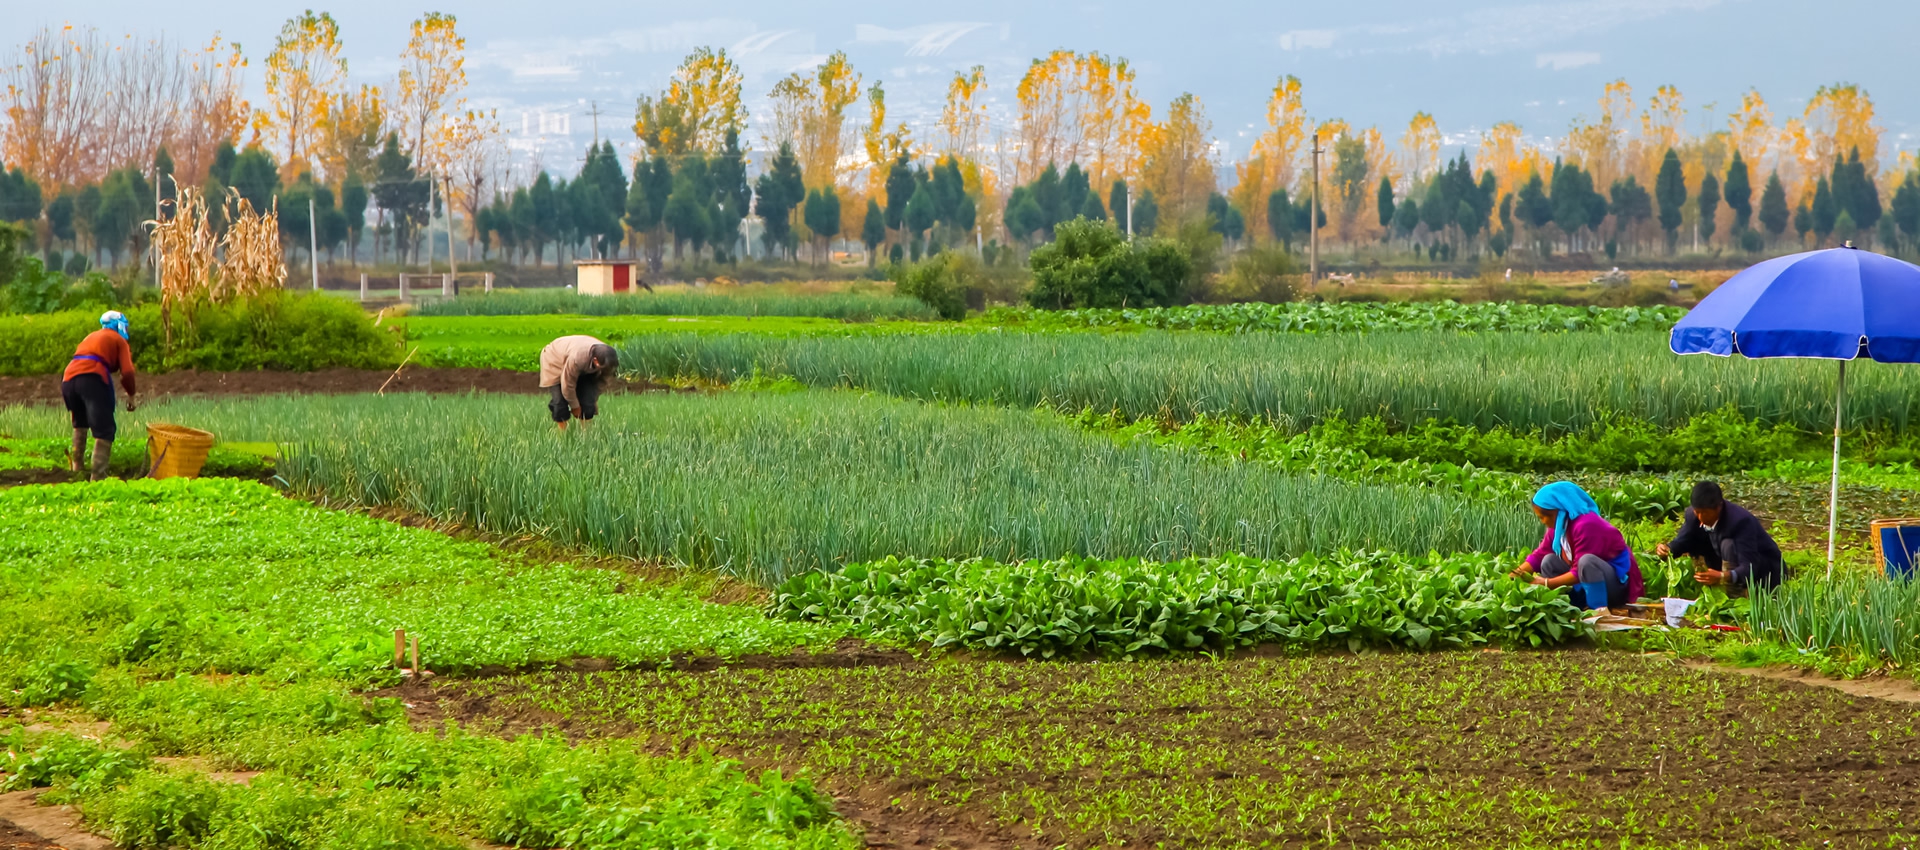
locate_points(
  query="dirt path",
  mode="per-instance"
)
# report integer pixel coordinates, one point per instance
(1881, 687)
(26, 826)
(326, 381)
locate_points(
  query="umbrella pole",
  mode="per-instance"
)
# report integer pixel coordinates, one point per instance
(1833, 494)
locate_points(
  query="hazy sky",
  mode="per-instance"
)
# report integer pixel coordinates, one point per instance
(1470, 64)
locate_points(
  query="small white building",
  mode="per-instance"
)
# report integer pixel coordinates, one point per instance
(606, 277)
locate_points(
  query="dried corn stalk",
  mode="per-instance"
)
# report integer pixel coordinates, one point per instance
(187, 250)
(253, 262)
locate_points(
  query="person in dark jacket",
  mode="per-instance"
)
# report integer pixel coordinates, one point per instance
(1729, 546)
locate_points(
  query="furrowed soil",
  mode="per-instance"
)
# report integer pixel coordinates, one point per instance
(1461, 749)
(418, 379)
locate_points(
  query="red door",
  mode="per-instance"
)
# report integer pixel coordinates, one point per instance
(622, 277)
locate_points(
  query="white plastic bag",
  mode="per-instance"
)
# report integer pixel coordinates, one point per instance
(1676, 609)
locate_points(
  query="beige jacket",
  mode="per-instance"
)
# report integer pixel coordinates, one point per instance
(564, 360)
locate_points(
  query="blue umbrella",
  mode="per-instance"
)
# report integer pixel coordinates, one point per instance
(1836, 304)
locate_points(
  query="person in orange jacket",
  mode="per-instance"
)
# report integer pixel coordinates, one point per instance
(87, 389)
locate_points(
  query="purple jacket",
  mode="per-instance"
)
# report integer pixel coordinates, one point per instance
(1589, 534)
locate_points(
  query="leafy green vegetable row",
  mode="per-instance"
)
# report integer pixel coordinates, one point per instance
(188, 576)
(113, 594)
(1333, 317)
(1130, 607)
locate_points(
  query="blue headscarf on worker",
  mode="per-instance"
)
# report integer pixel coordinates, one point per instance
(1568, 502)
(115, 321)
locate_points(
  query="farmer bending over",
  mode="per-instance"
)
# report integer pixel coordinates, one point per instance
(87, 388)
(573, 366)
(1730, 548)
(1581, 551)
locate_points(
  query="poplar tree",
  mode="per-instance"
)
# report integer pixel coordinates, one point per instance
(1383, 203)
(1773, 206)
(1709, 202)
(1670, 191)
(1739, 193)
(873, 231)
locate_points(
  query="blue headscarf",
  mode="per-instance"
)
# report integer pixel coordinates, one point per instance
(1569, 503)
(115, 321)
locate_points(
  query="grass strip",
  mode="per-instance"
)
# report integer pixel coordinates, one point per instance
(1078, 607)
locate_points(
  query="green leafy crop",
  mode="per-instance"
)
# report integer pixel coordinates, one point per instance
(1129, 607)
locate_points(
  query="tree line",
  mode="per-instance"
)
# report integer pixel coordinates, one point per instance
(833, 169)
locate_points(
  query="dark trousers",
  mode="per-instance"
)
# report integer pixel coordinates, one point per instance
(1592, 568)
(90, 399)
(587, 388)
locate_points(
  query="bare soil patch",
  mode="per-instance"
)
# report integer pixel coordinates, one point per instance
(46, 390)
(1877, 687)
(27, 826)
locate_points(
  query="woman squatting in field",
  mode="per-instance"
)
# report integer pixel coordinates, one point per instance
(1581, 551)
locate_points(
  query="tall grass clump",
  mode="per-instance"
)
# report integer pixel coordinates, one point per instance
(1556, 383)
(1872, 616)
(849, 306)
(764, 485)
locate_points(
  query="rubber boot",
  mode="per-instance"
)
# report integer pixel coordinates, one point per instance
(102, 455)
(78, 456)
(1596, 593)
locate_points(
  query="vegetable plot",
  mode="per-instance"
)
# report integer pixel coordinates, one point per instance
(1333, 317)
(1557, 383)
(1129, 607)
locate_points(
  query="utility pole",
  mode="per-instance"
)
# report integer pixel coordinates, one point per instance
(153, 246)
(1313, 218)
(313, 244)
(594, 111)
(453, 271)
(1129, 197)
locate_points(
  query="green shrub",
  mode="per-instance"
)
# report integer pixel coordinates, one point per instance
(1265, 273)
(280, 331)
(1089, 264)
(941, 282)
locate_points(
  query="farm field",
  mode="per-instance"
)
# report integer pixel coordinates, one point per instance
(507, 331)
(1464, 749)
(222, 630)
(514, 342)
(1557, 382)
(763, 485)
(1100, 578)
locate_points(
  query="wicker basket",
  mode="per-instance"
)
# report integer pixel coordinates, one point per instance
(176, 451)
